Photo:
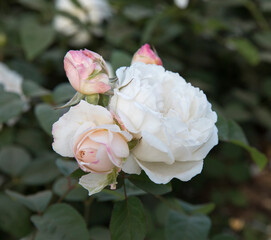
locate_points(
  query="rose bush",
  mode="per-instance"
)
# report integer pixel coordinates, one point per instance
(173, 120)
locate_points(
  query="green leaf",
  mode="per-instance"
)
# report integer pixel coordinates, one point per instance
(35, 37)
(78, 173)
(13, 160)
(62, 185)
(63, 92)
(47, 116)
(259, 158)
(11, 105)
(182, 227)
(263, 39)
(14, 218)
(75, 99)
(118, 194)
(60, 222)
(99, 233)
(246, 49)
(230, 131)
(224, 237)
(119, 59)
(143, 182)
(6, 136)
(36, 202)
(66, 167)
(40, 172)
(201, 208)
(40, 5)
(128, 220)
(32, 89)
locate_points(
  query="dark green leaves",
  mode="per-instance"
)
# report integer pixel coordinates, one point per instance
(13, 160)
(35, 38)
(14, 218)
(66, 167)
(36, 202)
(246, 49)
(47, 116)
(186, 227)
(32, 89)
(143, 182)
(119, 59)
(128, 220)
(63, 92)
(11, 105)
(230, 131)
(40, 172)
(70, 189)
(60, 222)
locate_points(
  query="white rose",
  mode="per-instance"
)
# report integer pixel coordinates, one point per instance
(12, 82)
(91, 11)
(173, 119)
(181, 3)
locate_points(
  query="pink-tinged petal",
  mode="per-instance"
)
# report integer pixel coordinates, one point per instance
(146, 55)
(72, 73)
(83, 68)
(100, 136)
(90, 87)
(104, 163)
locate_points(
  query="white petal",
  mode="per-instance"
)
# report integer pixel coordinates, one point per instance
(131, 166)
(96, 182)
(152, 149)
(205, 148)
(93, 182)
(163, 173)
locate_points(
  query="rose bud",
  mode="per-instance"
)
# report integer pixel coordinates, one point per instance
(88, 133)
(146, 55)
(87, 72)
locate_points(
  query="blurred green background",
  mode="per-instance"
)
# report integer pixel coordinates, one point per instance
(221, 46)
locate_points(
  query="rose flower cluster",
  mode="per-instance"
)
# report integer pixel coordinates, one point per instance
(169, 123)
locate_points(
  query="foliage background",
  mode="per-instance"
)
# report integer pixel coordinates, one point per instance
(223, 47)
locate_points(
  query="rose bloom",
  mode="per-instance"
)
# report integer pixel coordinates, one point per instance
(11, 81)
(173, 120)
(86, 71)
(92, 12)
(88, 133)
(146, 55)
(181, 3)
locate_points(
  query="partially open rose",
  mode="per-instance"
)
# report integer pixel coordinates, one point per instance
(88, 133)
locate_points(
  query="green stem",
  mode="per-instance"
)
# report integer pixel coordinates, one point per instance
(87, 204)
(256, 13)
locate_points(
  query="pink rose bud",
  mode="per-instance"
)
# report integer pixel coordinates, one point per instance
(86, 71)
(146, 55)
